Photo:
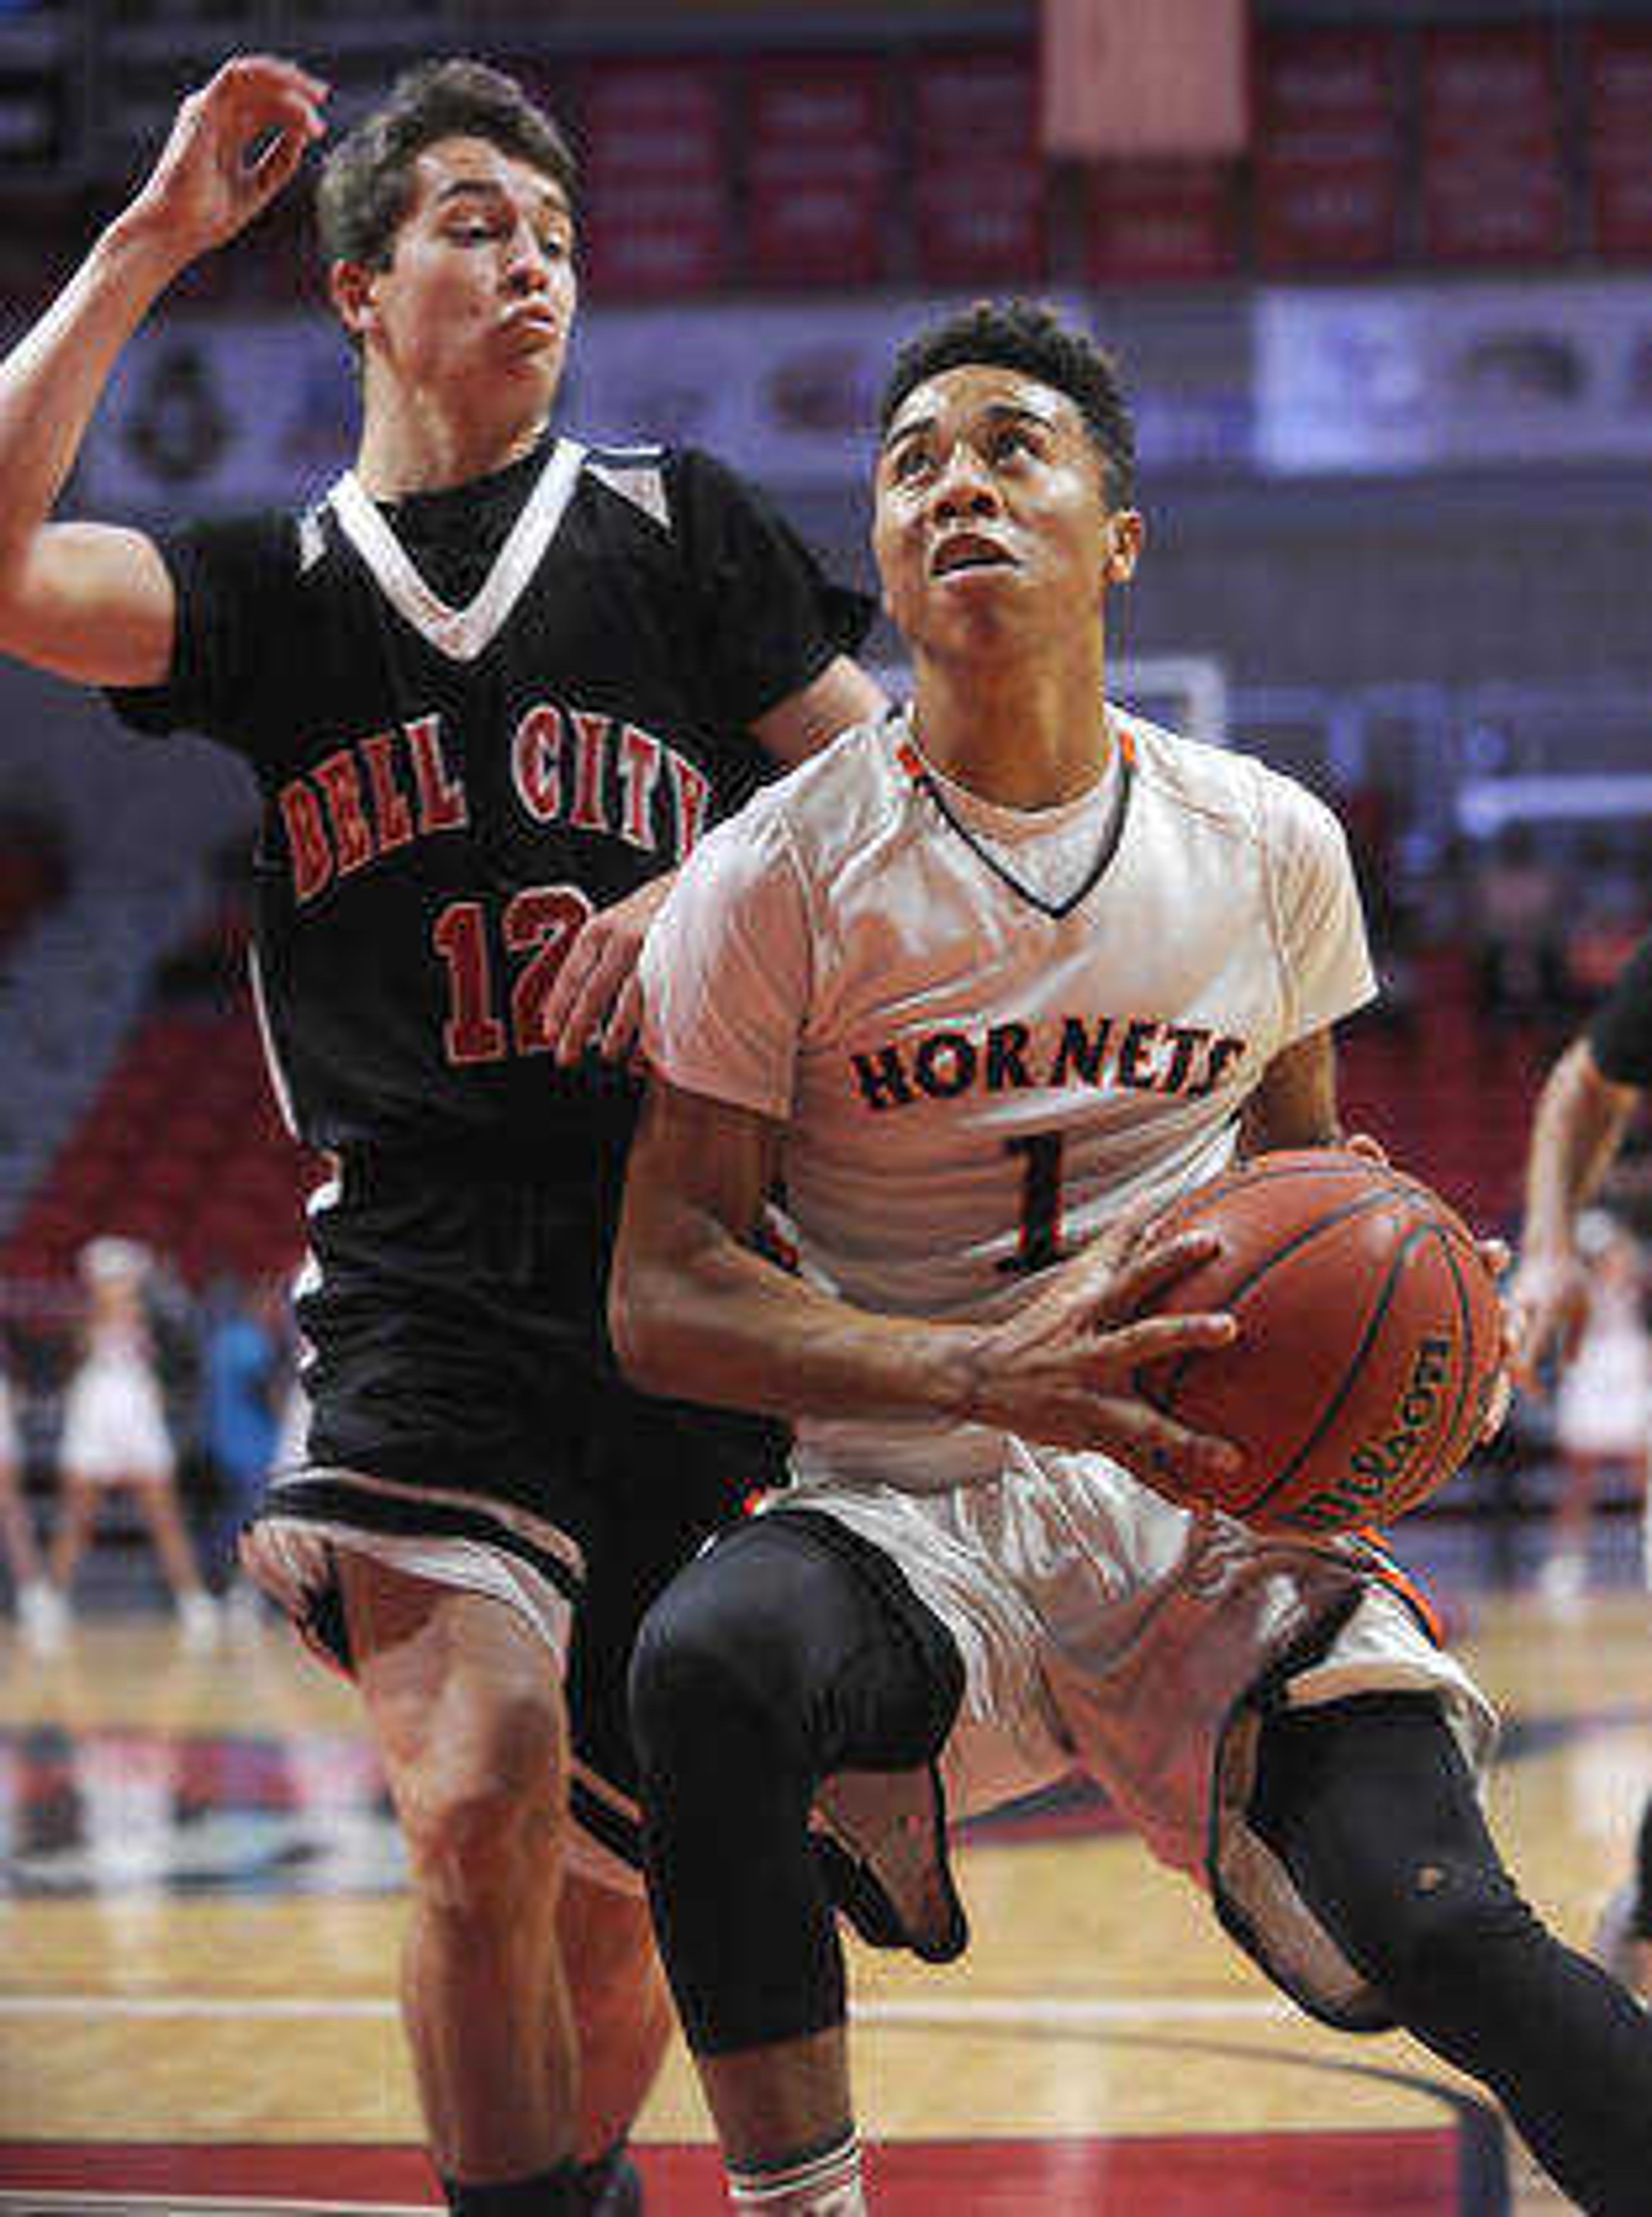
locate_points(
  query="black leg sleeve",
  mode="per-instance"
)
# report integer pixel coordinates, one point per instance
(1371, 1807)
(789, 1650)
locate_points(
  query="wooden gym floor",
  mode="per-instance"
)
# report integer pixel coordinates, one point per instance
(198, 1916)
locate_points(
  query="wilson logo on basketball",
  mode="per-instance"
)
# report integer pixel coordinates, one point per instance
(1378, 1469)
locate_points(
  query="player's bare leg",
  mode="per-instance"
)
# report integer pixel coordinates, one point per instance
(157, 1499)
(782, 2115)
(40, 1612)
(76, 1520)
(16, 1533)
(469, 1718)
(621, 2007)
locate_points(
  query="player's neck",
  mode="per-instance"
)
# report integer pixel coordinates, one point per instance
(411, 444)
(1019, 736)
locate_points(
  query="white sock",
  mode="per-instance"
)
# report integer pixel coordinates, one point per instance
(824, 2184)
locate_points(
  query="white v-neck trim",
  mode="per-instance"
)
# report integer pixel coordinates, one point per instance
(460, 634)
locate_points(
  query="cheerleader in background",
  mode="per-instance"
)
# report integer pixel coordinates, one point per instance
(114, 1433)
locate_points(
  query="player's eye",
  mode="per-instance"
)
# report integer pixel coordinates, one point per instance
(909, 462)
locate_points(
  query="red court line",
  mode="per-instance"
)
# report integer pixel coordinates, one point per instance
(1346, 2174)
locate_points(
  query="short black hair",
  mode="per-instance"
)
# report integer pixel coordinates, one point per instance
(367, 182)
(1020, 335)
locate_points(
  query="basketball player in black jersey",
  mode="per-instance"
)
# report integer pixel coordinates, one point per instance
(491, 686)
(1587, 1101)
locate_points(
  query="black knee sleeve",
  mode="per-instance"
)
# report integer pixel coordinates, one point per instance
(1371, 1807)
(790, 1650)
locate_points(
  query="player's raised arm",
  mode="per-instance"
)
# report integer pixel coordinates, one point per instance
(1581, 1119)
(90, 601)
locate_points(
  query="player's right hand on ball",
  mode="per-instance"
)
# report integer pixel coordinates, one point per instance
(1063, 1370)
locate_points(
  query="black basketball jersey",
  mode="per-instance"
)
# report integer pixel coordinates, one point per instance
(1620, 1036)
(475, 717)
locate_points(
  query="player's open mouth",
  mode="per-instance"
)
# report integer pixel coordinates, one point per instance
(968, 553)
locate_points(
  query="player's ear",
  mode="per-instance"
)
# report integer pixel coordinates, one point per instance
(350, 287)
(1124, 534)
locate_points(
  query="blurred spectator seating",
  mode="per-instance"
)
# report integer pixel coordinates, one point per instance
(184, 1149)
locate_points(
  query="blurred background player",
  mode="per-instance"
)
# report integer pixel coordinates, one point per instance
(115, 1435)
(491, 686)
(1583, 1111)
(244, 1373)
(1602, 1401)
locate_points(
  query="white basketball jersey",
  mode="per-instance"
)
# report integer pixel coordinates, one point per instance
(975, 1076)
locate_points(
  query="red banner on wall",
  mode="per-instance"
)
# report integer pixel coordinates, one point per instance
(980, 200)
(1620, 125)
(1327, 168)
(1492, 188)
(1173, 221)
(657, 210)
(817, 131)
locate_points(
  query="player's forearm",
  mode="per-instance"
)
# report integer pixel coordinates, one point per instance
(1580, 1119)
(726, 1326)
(53, 379)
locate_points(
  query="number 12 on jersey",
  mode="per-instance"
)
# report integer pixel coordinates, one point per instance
(535, 931)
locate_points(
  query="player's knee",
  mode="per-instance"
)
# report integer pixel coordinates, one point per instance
(1438, 1928)
(483, 1817)
(692, 1690)
(478, 1843)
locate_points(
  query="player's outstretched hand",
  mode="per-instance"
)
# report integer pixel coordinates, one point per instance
(1549, 1301)
(1063, 1370)
(235, 144)
(595, 1001)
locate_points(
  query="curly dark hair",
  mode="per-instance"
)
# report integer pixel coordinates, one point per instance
(367, 182)
(1020, 335)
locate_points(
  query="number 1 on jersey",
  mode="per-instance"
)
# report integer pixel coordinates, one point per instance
(1040, 1244)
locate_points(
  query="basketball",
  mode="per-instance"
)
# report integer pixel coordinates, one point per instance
(1370, 1339)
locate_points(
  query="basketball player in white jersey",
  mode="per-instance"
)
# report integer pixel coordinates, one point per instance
(114, 1435)
(987, 972)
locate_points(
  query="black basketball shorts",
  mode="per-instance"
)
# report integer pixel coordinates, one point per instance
(462, 1387)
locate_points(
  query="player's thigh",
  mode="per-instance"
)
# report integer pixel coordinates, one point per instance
(463, 1696)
